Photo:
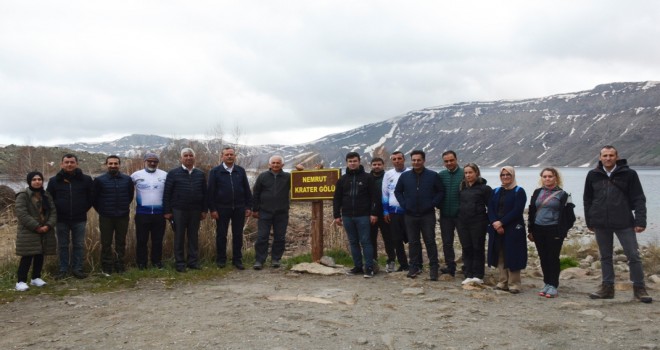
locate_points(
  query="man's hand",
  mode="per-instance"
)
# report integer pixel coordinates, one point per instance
(255, 214)
(168, 216)
(386, 218)
(338, 221)
(248, 212)
(373, 219)
(215, 215)
(639, 229)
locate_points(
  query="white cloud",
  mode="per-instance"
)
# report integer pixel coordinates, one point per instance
(292, 71)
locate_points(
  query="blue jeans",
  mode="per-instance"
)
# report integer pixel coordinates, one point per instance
(426, 226)
(628, 239)
(358, 230)
(279, 223)
(71, 233)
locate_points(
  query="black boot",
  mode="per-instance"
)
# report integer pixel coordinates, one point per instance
(606, 291)
(641, 294)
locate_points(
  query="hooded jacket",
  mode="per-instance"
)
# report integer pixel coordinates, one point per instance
(30, 217)
(355, 194)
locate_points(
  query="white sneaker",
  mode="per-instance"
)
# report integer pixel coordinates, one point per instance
(38, 282)
(467, 280)
(478, 281)
(22, 287)
(390, 267)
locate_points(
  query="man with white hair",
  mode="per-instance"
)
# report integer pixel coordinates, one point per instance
(270, 204)
(184, 204)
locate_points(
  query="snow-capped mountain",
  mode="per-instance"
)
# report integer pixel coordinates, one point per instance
(562, 130)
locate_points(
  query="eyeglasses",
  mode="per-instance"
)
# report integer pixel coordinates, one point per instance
(505, 175)
(152, 161)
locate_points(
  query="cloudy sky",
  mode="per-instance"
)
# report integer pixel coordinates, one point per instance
(293, 71)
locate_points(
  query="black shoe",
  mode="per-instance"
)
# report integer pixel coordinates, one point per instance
(275, 264)
(403, 268)
(120, 268)
(413, 272)
(355, 271)
(61, 275)
(180, 269)
(258, 265)
(239, 266)
(369, 272)
(221, 265)
(159, 265)
(142, 267)
(79, 274)
(194, 267)
(448, 271)
(433, 274)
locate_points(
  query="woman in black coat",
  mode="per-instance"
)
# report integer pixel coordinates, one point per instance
(473, 223)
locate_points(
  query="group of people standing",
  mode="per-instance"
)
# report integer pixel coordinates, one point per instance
(401, 203)
(54, 219)
(406, 213)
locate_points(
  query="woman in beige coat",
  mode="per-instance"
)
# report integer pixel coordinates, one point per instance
(35, 236)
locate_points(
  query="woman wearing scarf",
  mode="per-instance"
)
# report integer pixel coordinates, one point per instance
(35, 236)
(546, 230)
(507, 245)
(473, 222)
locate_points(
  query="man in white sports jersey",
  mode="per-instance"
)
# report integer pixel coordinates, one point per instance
(149, 220)
(393, 213)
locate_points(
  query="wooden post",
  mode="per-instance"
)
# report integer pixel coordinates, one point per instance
(317, 230)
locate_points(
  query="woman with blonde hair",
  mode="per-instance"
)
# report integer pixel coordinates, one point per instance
(507, 246)
(550, 217)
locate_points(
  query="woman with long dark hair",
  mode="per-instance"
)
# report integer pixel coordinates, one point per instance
(473, 222)
(35, 236)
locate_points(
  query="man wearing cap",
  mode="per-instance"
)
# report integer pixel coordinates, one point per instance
(149, 221)
(113, 194)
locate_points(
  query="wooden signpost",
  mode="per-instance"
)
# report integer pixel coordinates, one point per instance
(315, 186)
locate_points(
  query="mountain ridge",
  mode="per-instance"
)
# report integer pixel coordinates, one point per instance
(565, 129)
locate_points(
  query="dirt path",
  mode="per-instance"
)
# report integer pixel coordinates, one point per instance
(276, 309)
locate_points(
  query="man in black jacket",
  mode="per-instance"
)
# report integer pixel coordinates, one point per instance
(354, 206)
(72, 193)
(184, 204)
(230, 199)
(612, 192)
(113, 194)
(377, 165)
(271, 208)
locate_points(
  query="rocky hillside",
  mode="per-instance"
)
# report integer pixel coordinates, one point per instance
(564, 130)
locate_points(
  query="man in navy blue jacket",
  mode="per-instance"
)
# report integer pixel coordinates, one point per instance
(419, 192)
(113, 194)
(230, 199)
(184, 203)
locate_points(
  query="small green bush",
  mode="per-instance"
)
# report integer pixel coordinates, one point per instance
(567, 261)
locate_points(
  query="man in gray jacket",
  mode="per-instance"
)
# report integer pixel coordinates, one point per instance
(270, 198)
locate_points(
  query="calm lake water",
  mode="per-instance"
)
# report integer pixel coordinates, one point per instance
(574, 183)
